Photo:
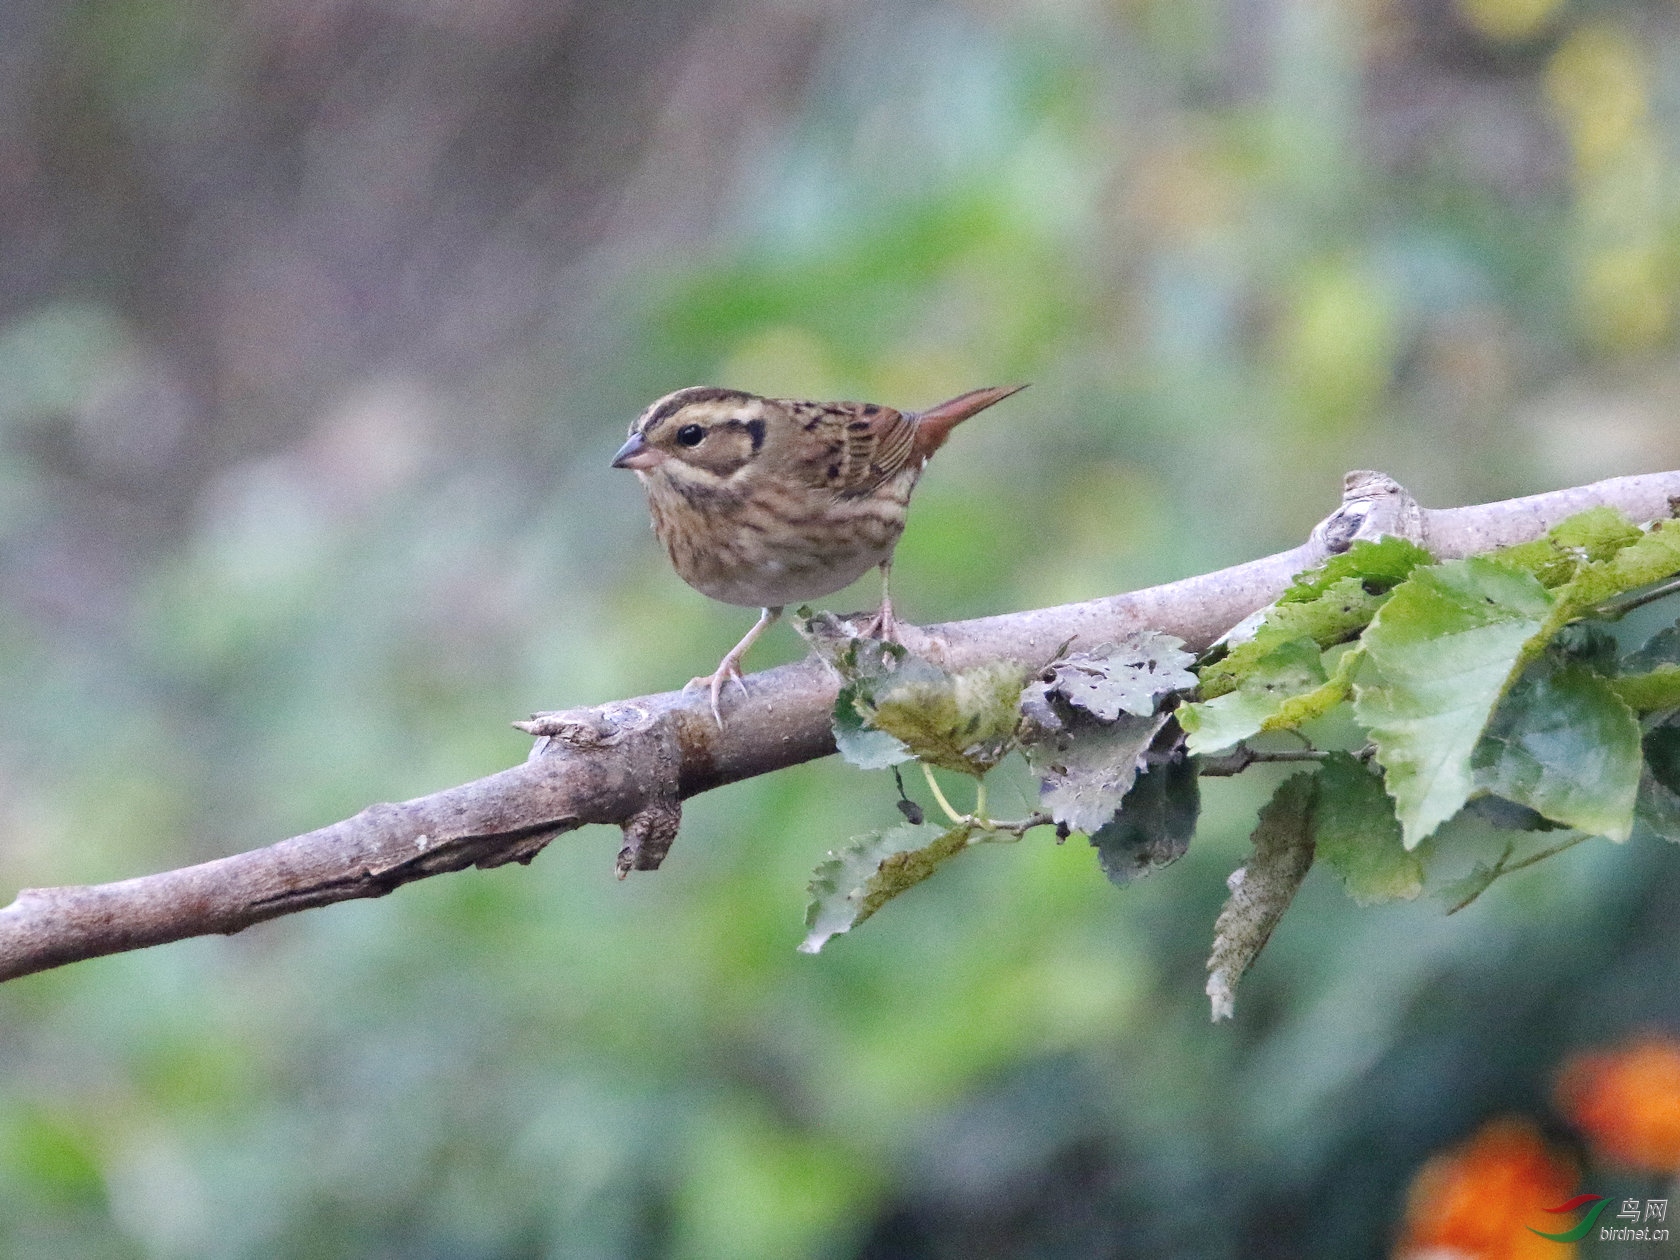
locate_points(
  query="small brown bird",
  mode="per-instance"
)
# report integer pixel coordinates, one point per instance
(765, 502)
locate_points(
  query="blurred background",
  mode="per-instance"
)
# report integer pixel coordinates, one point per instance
(319, 322)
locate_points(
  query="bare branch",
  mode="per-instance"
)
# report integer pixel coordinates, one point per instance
(632, 762)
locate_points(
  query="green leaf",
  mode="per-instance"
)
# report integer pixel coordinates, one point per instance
(1288, 670)
(1588, 537)
(963, 721)
(1087, 768)
(860, 878)
(1662, 648)
(1358, 836)
(1653, 557)
(1337, 614)
(859, 743)
(1662, 755)
(1155, 822)
(1377, 565)
(1262, 890)
(1648, 680)
(1128, 677)
(1650, 692)
(1437, 658)
(1562, 744)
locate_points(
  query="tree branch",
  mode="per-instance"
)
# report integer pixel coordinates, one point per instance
(633, 762)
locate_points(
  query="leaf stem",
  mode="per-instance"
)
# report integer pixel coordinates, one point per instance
(1541, 856)
(933, 786)
(1500, 868)
(1622, 605)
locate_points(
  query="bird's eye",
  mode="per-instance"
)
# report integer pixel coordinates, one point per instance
(690, 435)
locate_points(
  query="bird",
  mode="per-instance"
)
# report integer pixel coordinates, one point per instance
(765, 502)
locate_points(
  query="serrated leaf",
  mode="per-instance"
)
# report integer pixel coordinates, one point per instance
(1337, 614)
(1377, 565)
(1655, 555)
(1086, 768)
(1155, 822)
(1662, 648)
(1650, 692)
(1588, 537)
(1657, 812)
(1262, 889)
(1358, 836)
(1437, 659)
(860, 878)
(1662, 754)
(1128, 677)
(963, 721)
(1562, 744)
(1288, 670)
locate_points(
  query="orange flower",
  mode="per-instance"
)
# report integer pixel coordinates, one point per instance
(1626, 1102)
(1476, 1201)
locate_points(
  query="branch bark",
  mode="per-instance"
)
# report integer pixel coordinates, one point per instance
(633, 762)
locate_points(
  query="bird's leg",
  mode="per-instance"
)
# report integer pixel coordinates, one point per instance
(883, 625)
(729, 668)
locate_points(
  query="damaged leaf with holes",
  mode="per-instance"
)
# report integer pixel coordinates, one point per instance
(1130, 676)
(1089, 719)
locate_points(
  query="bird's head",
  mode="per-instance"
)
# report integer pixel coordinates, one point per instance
(701, 433)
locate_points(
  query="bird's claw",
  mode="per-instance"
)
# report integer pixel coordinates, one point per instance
(883, 625)
(728, 671)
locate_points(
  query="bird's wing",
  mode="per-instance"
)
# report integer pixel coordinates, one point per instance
(850, 448)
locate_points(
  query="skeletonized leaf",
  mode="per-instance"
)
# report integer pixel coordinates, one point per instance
(1128, 677)
(1564, 745)
(1437, 659)
(1155, 822)
(1358, 836)
(1086, 768)
(1261, 890)
(860, 878)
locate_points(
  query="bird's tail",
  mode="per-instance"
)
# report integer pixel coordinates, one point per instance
(934, 425)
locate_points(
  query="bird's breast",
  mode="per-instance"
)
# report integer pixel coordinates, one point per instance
(769, 544)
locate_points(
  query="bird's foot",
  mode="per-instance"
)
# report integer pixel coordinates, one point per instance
(728, 671)
(883, 625)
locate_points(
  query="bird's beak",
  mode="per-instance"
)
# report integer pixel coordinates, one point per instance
(638, 454)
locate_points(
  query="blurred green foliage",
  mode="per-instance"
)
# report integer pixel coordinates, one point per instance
(316, 333)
